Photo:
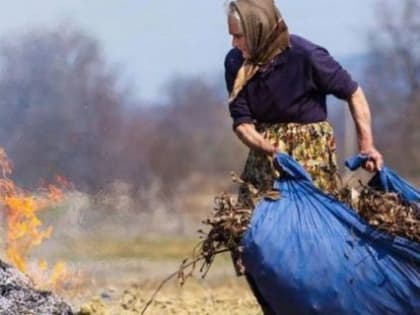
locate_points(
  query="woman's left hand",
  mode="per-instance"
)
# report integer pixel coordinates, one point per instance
(375, 162)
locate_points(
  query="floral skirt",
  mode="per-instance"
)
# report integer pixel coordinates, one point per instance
(312, 145)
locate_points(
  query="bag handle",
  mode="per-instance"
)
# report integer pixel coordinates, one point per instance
(356, 161)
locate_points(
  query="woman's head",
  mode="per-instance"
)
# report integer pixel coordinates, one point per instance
(257, 29)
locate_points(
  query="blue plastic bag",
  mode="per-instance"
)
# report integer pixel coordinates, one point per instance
(387, 180)
(310, 254)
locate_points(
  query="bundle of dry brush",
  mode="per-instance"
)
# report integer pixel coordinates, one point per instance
(227, 224)
(386, 211)
(229, 220)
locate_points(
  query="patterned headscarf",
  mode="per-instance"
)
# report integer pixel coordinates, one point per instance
(266, 34)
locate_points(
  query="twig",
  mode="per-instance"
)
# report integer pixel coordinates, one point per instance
(182, 268)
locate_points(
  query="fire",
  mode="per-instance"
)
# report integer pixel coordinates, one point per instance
(25, 230)
(57, 277)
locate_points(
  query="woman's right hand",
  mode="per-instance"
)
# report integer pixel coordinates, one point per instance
(247, 133)
(269, 149)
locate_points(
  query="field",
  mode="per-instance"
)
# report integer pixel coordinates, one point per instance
(226, 297)
(119, 277)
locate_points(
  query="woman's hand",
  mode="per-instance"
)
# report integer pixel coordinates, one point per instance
(375, 161)
(254, 140)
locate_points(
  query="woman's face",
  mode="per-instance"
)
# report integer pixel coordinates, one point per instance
(238, 37)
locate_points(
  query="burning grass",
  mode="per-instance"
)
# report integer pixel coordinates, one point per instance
(24, 229)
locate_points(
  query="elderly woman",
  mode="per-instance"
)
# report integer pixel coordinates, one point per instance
(278, 85)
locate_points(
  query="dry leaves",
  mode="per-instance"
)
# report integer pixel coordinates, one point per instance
(386, 211)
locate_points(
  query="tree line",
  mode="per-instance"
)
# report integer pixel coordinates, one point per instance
(64, 110)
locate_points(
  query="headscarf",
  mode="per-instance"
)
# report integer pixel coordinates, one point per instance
(266, 34)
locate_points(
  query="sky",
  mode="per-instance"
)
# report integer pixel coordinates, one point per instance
(156, 40)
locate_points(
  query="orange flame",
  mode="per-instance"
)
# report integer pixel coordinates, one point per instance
(57, 277)
(24, 228)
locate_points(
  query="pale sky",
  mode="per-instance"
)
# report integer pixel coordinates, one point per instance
(153, 40)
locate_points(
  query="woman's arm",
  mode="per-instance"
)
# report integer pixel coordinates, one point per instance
(360, 111)
(249, 135)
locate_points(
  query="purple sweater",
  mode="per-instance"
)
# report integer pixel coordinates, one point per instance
(293, 89)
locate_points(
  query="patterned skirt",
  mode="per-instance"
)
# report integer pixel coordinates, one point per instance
(312, 145)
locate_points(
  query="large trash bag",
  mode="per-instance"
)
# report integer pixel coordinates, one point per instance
(310, 254)
(387, 180)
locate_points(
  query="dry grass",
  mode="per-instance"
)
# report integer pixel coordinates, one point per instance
(109, 248)
(119, 276)
(197, 297)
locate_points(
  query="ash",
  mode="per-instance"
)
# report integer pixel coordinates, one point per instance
(19, 297)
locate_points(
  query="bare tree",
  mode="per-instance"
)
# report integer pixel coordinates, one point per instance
(60, 108)
(193, 134)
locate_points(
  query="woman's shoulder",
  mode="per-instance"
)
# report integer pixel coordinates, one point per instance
(304, 47)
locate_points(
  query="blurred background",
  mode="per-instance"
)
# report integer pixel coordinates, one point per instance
(126, 100)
